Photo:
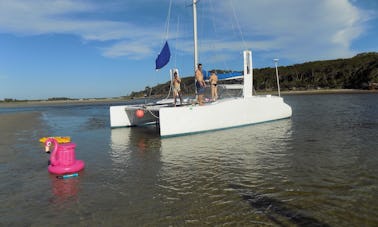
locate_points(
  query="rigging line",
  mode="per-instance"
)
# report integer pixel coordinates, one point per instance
(166, 35)
(201, 30)
(147, 109)
(238, 25)
(168, 19)
(216, 32)
(175, 58)
(177, 34)
(170, 84)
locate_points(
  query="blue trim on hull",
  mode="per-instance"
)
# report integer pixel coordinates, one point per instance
(134, 126)
(219, 129)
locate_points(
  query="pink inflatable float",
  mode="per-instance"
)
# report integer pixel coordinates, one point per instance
(62, 159)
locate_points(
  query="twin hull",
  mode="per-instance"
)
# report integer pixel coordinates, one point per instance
(225, 113)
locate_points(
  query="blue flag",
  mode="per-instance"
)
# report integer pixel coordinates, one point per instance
(163, 57)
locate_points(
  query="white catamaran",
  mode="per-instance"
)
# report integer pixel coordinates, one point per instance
(221, 114)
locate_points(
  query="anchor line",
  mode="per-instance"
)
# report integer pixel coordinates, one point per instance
(145, 108)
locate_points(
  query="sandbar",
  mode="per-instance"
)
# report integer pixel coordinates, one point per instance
(12, 124)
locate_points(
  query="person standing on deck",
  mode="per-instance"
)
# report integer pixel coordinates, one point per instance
(213, 85)
(176, 88)
(200, 84)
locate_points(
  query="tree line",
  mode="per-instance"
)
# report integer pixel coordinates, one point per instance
(358, 72)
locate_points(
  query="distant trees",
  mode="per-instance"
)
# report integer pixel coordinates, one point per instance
(358, 72)
(59, 99)
(12, 100)
(353, 73)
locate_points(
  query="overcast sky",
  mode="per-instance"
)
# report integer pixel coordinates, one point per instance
(95, 48)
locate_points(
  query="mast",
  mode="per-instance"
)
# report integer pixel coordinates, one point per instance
(278, 79)
(248, 74)
(195, 34)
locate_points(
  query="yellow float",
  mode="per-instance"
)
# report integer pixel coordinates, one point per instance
(60, 139)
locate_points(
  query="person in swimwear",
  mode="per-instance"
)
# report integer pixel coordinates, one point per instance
(200, 84)
(176, 88)
(213, 85)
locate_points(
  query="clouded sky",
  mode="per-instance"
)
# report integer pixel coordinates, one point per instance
(95, 48)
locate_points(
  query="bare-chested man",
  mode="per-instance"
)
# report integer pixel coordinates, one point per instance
(200, 84)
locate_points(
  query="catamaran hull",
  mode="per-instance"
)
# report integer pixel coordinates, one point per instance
(222, 114)
(126, 116)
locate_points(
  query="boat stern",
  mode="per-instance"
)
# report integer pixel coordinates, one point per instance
(132, 115)
(118, 117)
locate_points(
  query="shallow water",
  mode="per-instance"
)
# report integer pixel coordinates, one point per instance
(318, 168)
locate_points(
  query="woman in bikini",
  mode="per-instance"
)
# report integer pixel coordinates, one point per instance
(213, 82)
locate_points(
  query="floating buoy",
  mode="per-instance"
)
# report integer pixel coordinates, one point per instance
(139, 113)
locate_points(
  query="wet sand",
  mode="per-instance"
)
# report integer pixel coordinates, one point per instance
(12, 125)
(13, 122)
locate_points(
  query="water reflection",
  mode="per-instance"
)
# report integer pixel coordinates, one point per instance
(317, 168)
(120, 140)
(64, 190)
(198, 170)
(136, 163)
(125, 141)
(193, 178)
(277, 211)
(245, 147)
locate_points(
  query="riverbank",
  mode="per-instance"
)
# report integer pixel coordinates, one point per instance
(32, 103)
(328, 91)
(123, 100)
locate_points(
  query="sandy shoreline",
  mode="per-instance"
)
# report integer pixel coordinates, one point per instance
(14, 120)
(62, 102)
(14, 125)
(17, 121)
(115, 100)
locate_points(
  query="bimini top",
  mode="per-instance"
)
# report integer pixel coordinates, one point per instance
(223, 76)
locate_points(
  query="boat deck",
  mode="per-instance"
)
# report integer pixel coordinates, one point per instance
(155, 107)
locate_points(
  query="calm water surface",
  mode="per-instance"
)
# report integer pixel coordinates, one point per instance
(318, 168)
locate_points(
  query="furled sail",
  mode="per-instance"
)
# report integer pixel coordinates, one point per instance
(163, 57)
